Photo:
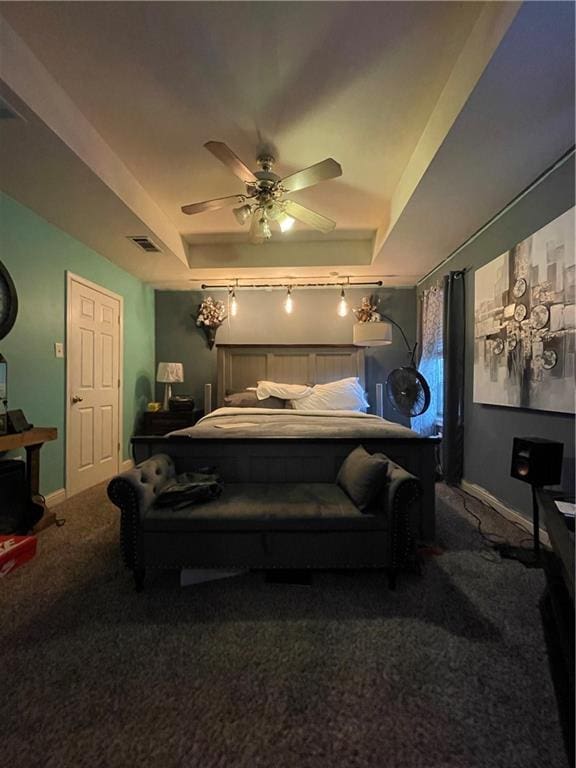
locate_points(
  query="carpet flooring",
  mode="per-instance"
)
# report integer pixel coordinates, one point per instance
(448, 671)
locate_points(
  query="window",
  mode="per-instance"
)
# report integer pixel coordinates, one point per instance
(431, 364)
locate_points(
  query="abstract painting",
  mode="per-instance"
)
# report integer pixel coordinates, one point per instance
(525, 322)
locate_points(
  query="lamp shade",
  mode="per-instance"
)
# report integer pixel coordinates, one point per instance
(372, 334)
(168, 373)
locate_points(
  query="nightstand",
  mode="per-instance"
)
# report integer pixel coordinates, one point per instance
(162, 422)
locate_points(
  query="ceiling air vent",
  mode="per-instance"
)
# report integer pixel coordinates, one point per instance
(145, 243)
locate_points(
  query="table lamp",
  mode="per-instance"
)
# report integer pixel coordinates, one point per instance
(167, 374)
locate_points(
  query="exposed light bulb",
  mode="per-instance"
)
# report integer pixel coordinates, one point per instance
(233, 305)
(286, 222)
(342, 305)
(289, 303)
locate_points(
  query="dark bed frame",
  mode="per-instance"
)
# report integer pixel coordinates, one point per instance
(241, 459)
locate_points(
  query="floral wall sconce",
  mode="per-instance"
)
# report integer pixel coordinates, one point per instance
(210, 316)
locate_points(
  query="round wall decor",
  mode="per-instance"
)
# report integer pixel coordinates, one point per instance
(519, 288)
(8, 302)
(520, 312)
(498, 346)
(540, 316)
(549, 359)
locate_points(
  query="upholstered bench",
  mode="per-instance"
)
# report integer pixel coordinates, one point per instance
(264, 525)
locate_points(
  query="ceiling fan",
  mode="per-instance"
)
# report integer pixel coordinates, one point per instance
(264, 200)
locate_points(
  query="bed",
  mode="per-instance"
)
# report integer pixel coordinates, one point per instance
(255, 445)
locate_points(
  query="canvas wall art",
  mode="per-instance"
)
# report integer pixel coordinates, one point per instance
(525, 322)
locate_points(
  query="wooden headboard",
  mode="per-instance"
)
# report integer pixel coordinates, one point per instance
(243, 365)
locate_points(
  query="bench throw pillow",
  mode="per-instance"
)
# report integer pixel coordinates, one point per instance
(362, 476)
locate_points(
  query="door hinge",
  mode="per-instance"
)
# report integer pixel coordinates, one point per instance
(118, 383)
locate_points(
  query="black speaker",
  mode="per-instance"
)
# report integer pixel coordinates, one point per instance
(537, 461)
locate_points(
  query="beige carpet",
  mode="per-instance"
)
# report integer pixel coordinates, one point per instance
(448, 671)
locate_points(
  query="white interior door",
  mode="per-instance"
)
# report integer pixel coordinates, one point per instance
(93, 389)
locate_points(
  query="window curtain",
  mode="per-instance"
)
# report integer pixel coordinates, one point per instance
(431, 363)
(452, 449)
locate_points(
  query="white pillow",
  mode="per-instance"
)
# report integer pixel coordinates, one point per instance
(342, 395)
(284, 391)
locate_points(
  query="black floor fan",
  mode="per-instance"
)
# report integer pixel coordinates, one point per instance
(406, 388)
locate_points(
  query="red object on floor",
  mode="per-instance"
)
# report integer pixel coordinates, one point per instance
(430, 551)
(15, 551)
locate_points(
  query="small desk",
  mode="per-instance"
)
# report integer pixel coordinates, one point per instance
(559, 532)
(32, 440)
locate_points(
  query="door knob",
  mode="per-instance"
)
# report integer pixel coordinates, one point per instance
(77, 399)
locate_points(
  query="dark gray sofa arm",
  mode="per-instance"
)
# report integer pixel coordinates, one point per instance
(133, 492)
(403, 498)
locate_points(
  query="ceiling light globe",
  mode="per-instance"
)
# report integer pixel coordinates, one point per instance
(286, 222)
(265, 230)
(242, 214)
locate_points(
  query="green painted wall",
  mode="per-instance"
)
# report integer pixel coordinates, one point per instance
(37, 256)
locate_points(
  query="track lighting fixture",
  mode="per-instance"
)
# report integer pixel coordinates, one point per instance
(287, 282)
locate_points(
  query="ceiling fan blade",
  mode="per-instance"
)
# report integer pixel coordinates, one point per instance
(213, 205)
(326, 169)
(307, 216)
(255, 237)
(226, 156)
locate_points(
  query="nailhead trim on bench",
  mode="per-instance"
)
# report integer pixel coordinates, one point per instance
(122, 494)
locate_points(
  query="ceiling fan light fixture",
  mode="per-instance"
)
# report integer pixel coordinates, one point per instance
(286, 222)
(242, 214)
(265, 191)
(263, 230)
(272, 211)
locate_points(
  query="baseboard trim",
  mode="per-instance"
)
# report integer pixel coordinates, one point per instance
(510, 514)
(56, 497)
(126, 465)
